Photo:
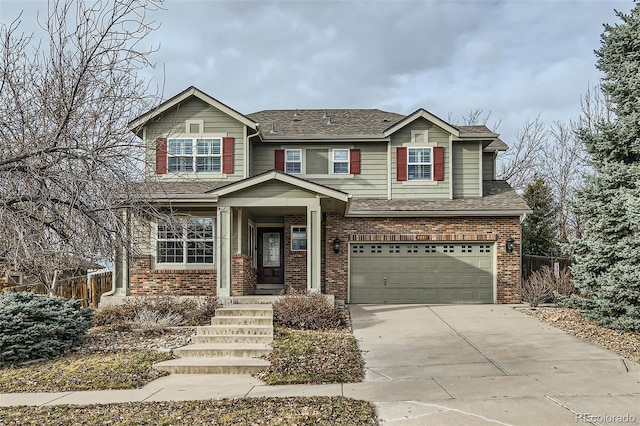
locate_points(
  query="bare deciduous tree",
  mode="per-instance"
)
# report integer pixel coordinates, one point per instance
(69, 166)
(520, 163)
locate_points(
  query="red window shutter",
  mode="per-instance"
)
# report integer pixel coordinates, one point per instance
(161, 156)
(227, 155)
(438, 163)
(354, 161)
(401, 164)
(279, 160)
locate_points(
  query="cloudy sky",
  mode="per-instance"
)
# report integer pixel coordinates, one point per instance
(514, 59)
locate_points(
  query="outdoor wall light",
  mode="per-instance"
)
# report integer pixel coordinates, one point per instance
(336, 245)
(510, 244)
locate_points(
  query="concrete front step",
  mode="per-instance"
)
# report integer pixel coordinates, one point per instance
(203, 365)
(249, 300)
(238, 336)
(237, 320)
(213, 350)
(232, 338)
(227, 330)
(245, 311)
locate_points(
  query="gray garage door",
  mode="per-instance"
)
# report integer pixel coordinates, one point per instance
(421, 273)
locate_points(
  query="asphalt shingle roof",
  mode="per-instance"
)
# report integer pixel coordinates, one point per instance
(313, 122)
(498, 196)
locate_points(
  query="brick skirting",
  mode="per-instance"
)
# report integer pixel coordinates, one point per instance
(147, 281)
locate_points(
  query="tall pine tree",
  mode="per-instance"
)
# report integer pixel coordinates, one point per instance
(539, 228)
(607, 255)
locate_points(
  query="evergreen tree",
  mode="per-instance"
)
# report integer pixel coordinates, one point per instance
(607, 255)
(539, 228)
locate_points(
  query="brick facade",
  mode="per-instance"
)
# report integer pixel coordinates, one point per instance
(147, 281)
(243, 276)
(491, 229)
(335, 266)
(295, 262)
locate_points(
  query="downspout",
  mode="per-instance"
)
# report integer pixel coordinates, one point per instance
(247, 172)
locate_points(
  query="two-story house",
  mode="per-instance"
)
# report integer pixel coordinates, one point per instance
(366, 205)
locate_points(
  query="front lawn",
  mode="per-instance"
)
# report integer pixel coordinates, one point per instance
(306, 356)
(75, 372)
(242, 411)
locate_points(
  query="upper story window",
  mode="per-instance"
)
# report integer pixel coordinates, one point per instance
(340, 161)
(194, 155)
(293, 161)
(185, 241)
(318, 161)
(419, 164)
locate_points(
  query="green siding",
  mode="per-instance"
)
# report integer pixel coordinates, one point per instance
(215, 121)
(413, 189)
(466, 169)
(488, 166)
(273, 190)
(371, 182)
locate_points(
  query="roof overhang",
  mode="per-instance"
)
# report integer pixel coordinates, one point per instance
(136, 124)
(266, 137)
(422, 113)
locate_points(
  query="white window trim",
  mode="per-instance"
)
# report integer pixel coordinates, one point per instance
(302, 160)
(194, 137)
(430, 148)
(333, 161)
(183, 265)
(306, 237)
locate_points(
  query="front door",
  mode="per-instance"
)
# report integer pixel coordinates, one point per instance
(270, 255)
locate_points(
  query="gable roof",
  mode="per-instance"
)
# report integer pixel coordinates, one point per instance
(322, 124)
(137, 123)
(274, 175)
(422, 113)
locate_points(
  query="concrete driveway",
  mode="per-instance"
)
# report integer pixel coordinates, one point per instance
(486, 364)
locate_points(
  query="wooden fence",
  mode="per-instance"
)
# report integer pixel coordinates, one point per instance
(530, 264)
(87, 290)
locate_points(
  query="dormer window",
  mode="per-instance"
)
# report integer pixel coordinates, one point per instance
(419, 164)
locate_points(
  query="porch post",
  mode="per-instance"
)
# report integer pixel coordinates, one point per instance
(223, 251)
(314, 214)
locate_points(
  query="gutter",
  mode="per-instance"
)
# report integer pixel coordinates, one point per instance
(437, 213)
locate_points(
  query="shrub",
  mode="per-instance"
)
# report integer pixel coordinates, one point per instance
(152, 321)
(194, 311)
(307, 311)
(37, 326)
(544, 286)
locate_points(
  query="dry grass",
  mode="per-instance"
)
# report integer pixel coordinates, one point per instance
(241, 411)
(76, 372)
(305, 356)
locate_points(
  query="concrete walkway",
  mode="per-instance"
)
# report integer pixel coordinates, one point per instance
(447, 365)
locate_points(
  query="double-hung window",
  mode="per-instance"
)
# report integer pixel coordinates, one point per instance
(340, 161)
(293, 161)
(419, 164)
(185, 241)
(194, 155)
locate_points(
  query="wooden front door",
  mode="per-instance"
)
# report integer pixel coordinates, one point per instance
(270, 255)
